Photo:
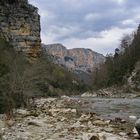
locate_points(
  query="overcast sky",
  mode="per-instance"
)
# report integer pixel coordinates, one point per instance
(95, 24)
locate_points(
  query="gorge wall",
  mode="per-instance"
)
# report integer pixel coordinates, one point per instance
(77, 59)
(20, 26)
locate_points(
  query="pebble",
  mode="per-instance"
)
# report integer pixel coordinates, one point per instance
(63, 124)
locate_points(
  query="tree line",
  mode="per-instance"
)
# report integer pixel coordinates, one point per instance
(21, 80)
(118, 67)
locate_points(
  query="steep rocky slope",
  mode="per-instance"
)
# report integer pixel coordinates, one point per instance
(133, 81)
(20, 25)
(77, 59)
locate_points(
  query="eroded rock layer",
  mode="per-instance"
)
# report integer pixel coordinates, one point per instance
(20, 25)
(77, 59)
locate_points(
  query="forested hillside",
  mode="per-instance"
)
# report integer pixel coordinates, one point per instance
(21, 80)
(119, 67)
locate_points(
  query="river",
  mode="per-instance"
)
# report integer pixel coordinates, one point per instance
(110, 108)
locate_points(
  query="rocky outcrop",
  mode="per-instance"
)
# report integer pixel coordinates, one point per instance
(20, 25)
(77, 59)
(133, 80)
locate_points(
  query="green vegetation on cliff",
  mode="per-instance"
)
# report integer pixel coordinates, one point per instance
(21, 80)
(119, 67)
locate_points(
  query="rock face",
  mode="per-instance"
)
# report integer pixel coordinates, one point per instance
(20, 25)
(77, 59)
(133, 80)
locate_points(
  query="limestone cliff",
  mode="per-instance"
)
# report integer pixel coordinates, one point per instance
(77, 59)
(20, 25)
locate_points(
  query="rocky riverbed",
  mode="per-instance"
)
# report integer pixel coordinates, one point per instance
(58, 119)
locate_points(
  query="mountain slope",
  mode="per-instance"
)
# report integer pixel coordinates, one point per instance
(77, 59)
(122, 69)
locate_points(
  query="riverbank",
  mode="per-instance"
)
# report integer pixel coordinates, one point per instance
(113, 92)
(60, 119)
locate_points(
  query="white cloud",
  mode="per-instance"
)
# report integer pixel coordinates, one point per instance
(106, 43)
(133, 21)
(129, 22)
(92, 16)
(120, 1)
(55, 33)
(47, 14)
(87, 23)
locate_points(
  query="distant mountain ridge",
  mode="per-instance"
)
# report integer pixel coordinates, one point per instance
(76, 59)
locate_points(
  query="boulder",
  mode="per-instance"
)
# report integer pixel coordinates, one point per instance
(90, 136)
(100, 123)
(22, 112)
(94, 137)
(132, 118)
(137, 126)
(35, 123)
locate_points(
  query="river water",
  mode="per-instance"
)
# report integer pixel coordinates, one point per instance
(110, 108)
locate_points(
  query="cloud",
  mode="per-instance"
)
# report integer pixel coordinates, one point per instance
(120, 1)
(94, 24)
(60, 32)
(92, 17)
(105, 43)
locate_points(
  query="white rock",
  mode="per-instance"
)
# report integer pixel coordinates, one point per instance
(65, 97)
(51, 99)
(87, 94)
(135, 131)
(22, 112)
(137, 126)
(122, 134)
(77, 124)
(73, 110)
(133, 118)
(3, 129)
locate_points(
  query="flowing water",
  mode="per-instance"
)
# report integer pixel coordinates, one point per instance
(110, 108)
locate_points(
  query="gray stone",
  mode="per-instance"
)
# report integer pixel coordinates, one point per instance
(22, 112)
(35, 123)
(2, 124)
(137, 126)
